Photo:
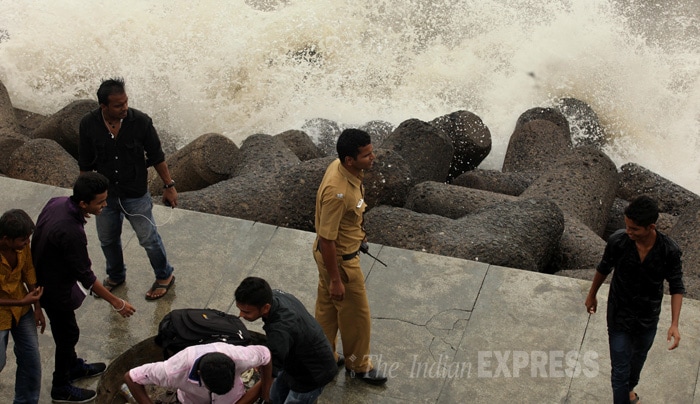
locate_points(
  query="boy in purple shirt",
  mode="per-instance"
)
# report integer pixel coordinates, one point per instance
(59, 251)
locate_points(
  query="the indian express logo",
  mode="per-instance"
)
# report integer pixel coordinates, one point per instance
(508, 364)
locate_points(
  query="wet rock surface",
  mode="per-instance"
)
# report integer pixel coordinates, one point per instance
(418, 196)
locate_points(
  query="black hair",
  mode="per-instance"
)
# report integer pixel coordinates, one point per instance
(643, 211)
(254, 291)
(110, 87)
(16, 223)
(88, 186)
(217, 372)
(350, 141)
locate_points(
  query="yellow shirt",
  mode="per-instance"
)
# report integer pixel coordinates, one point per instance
(339, 208)
(12, 282)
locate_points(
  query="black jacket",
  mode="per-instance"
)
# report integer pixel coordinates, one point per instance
(124, 159)
(636, 289)
(298, 345)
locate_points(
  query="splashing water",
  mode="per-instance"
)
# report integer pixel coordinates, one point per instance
(265, 66)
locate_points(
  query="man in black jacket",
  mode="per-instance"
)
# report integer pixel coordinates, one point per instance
(642, 258)
(301, 354)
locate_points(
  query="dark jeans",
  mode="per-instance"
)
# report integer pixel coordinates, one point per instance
(282, 393)
(628, 351)
(66, 333)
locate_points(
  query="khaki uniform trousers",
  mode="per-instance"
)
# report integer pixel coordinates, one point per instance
(350, 316)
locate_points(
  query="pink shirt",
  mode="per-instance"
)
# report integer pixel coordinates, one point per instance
(174, 372)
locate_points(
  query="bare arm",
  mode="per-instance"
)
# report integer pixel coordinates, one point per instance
(169, 194)
(330, 261)
(591, 299)
(673, 332)
(251, 395)
(137, 390)
(266, 380)
(259, 389)
(39, 318)
(124, 308)
(30, 298)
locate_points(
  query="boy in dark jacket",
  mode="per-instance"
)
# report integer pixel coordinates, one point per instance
(301, 354)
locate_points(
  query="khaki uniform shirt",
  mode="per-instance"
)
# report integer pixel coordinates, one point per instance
(340, 205)
(12, 282)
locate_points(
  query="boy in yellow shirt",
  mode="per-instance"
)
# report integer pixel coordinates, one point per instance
(18, 292)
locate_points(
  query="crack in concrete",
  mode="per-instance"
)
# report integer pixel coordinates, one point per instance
(440, 335)
(426, 324)
(441, 390)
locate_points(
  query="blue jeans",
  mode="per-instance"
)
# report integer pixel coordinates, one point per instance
(26, 340)
(139, 213)
(281, 393)
(628, 351)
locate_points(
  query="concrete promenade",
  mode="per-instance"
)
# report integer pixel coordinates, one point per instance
(447, 330)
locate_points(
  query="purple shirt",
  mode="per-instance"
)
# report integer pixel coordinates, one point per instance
(59, 251)
(179, 371)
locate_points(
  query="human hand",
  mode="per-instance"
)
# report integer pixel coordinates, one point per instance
(40, 320)
(337, 289)
(32, 297)
(591, 304)
(170, 197)
(124, 308)
(674, 334)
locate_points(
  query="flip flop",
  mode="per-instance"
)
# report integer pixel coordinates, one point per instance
(110, 285)
(157, 286)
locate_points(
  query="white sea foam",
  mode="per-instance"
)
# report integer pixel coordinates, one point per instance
(264, 66)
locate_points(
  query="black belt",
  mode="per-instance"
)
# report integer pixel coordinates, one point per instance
(345, 257)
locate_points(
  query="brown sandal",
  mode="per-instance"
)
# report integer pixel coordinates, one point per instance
(157, 286)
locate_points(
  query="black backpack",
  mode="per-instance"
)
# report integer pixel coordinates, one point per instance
(186, 327)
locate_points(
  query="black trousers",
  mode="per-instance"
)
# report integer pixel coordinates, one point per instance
(66, 334)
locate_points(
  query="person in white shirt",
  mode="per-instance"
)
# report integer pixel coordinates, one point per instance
(209, 373)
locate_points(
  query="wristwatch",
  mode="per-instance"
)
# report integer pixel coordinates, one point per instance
(170, 185)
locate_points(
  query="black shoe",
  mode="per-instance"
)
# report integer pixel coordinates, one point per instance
(341, 360)
(81, 370)
(371, 377)
(72, 394)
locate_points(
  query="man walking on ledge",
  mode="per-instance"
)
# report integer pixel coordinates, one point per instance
(642, 258)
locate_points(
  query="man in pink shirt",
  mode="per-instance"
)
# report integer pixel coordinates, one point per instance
(209, 373)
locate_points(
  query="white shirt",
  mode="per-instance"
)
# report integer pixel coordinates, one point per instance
(175, 372)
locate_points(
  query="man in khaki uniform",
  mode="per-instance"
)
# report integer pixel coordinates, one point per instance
(341, 303)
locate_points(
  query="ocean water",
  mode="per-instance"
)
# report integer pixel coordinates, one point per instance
(240, 67)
